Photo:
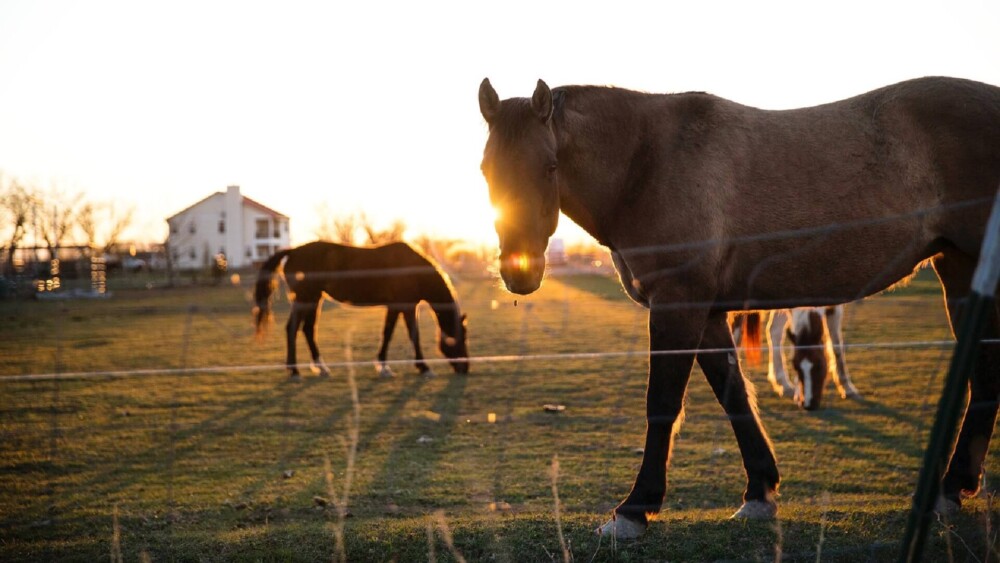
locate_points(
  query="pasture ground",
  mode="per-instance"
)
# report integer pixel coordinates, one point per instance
(195, 448)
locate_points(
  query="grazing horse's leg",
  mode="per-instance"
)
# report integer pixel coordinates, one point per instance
(776, 374)
(295, 318)
(966, 467)
(738, 398)
(669, 330)
(391, 316)
(309, 330)
(410, 317)
(835, 328)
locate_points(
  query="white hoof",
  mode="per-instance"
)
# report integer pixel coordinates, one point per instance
(757, 510)
(621, 528)
(384, 371)
(850, 393)
(429, 374)
(945, 507)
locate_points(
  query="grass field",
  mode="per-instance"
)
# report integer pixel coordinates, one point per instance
(192, 446)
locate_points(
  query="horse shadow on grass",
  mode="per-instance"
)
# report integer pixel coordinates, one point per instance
(406, 472)
(151, 464)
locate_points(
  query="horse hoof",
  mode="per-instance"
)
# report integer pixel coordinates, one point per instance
(946, 507)
(756, 510)
(851, 394)
(621, 528)
(385, 372)
(294, 378)
(428, 373)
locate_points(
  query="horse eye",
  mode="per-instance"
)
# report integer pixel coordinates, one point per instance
(551, 169)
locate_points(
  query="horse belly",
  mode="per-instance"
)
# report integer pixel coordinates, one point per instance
(846, 269)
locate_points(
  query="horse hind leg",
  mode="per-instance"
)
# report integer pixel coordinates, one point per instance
(835, 330)
(311, 317)
(965, 469)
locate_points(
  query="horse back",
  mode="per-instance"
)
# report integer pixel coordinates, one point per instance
(393, 274)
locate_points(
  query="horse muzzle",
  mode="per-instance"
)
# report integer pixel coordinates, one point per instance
(522, 272)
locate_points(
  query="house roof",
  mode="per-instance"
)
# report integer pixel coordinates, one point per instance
(246, 201)
(262, 207)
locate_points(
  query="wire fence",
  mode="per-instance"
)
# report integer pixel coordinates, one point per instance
(158, 407)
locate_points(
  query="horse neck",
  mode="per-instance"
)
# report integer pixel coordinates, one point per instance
(599, 132)
(439, 295)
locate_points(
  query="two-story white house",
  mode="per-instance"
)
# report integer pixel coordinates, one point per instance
(245, 231)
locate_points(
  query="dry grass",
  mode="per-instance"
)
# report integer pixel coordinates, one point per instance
(223, 461)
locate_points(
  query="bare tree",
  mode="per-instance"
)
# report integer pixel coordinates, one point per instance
(16, 204)
(344, 228)
(378, 237)
(102, 224)
(55, 217)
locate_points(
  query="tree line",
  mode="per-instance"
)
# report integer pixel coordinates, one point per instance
(33, 217)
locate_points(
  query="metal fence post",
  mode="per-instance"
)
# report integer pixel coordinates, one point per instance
(976, 312)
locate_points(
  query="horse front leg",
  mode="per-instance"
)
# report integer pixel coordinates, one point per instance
(391, 316)
(776, 374)
(295, 319)
(669, 331)
(835, 328)
(410, 317)
(310, 318)
(738, 399)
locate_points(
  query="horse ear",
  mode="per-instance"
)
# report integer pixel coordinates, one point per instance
(489, 102)
(541, 101)
(465, 320)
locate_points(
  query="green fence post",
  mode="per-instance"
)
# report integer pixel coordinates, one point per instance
(977, 310)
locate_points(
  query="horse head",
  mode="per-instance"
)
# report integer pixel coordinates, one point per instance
(453, 341)
(807, 333)
(520, 167)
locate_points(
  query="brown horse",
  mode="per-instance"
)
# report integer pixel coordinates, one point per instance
(395, 276)
(691, 193)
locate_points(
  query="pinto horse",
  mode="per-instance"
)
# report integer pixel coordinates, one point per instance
(395, 276)
(816, 334)
(690, 192)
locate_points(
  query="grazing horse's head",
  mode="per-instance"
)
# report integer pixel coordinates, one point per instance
(453, 340)
(519, 163)
(807, 333)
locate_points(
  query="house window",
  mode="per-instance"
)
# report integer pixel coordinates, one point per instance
(263, 227)
(173, 229)
(191, 253)
(222, 225)
(191, 228)
(262, 251)
(277, 228)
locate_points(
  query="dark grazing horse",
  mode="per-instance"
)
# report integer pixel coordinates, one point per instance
(691, 193)
(395, 276)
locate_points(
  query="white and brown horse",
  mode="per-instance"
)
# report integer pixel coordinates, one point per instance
(691, 194)
(817, 337)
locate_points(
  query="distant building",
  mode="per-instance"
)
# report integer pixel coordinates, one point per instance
(245, 231)
(555, 254)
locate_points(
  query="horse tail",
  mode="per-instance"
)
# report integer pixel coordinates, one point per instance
(751, 337)
(266, 284)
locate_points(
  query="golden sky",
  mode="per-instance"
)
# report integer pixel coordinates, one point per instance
(372, 107)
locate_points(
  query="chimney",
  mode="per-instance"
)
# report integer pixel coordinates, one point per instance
(234, 227)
